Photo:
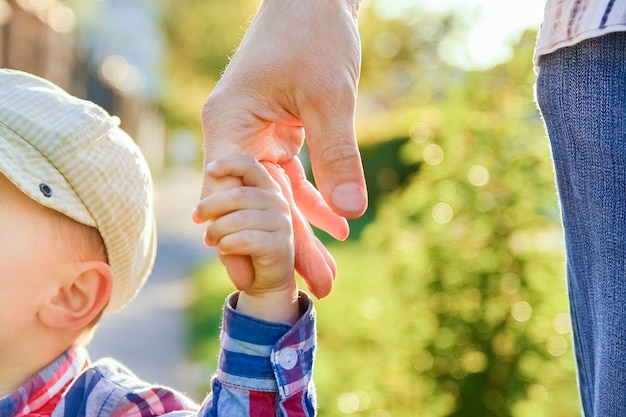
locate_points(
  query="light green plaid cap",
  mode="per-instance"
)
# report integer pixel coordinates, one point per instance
(71, 156)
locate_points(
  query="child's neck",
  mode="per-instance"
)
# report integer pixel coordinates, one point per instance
(14, 374)
(20, 363)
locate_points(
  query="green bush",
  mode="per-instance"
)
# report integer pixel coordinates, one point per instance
(474, 267)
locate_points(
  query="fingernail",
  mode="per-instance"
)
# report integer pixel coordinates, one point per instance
(210, 167)
(349, 197)
(194, 215)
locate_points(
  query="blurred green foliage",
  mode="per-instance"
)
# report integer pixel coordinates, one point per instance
(201, 36)
(475, 261)
(452, 301)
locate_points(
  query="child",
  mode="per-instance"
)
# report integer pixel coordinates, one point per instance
(77, 238)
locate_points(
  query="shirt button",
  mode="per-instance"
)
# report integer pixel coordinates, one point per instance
(287, 358)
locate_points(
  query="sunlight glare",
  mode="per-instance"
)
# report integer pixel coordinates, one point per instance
(492, 26)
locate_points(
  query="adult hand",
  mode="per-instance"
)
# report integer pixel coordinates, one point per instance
(295, 72)
(237, 173)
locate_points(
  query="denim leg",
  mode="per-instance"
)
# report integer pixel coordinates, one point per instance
(581, 91)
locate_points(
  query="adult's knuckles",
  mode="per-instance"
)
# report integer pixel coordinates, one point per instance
(336, 152)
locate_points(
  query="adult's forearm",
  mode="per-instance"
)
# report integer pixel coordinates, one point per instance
(351, 5)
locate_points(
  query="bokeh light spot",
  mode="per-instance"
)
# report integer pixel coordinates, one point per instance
(442, 213)
(556, 345)
(537, 393)
(478, 175)
(420, 132)
(372, 308)
(446, 338)
(521, 311)
(433, 154)
(473, 361)
(351, 402)
(562, 323)
(348, 403)
(61, 18)
(503, 344)
(445, 191)
(117, 72)
(510, 283)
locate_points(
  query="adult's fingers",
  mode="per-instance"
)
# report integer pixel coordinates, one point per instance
(313, 262)
(311, 203)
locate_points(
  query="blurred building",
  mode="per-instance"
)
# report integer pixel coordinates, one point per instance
(37, 36)
(41, 37)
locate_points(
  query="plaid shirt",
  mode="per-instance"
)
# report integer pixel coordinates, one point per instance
(265, 369)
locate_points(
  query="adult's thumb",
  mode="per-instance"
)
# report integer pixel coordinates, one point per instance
(337, 168)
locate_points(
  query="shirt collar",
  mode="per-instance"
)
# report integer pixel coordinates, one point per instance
(47, 387)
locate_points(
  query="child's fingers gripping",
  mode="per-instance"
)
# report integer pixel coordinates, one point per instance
(220, 175)
(205, 210)
(231, 200)
(239, 269)
(222, 209)
(263, 220)
(230, 173)
(270, 253)
(247, 168)
(257, 225)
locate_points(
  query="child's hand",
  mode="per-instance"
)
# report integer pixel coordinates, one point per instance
(249, 216)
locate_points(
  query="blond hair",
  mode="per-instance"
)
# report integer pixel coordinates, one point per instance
(80, 243)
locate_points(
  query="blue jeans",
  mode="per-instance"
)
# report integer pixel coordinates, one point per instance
(581, 91)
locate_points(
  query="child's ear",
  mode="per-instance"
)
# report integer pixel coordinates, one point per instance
(82, 297)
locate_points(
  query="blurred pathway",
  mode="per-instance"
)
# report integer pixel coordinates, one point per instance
(148, 336)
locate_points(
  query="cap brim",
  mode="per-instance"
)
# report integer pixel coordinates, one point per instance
(28, 169)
